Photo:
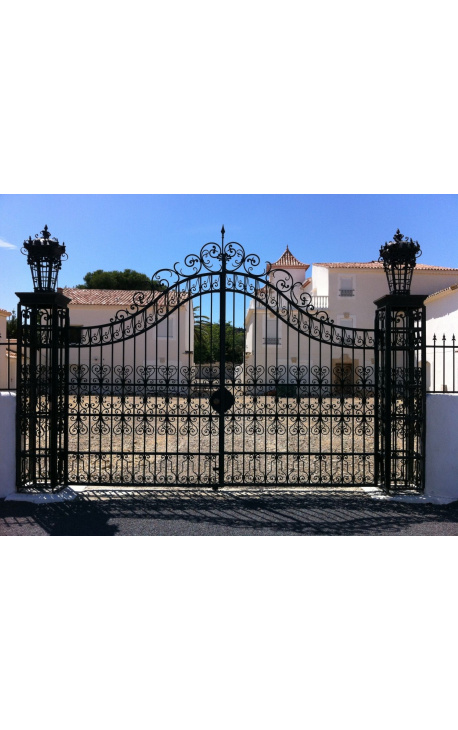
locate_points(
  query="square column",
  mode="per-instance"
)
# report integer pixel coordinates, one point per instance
(42, 397)
(400, 366)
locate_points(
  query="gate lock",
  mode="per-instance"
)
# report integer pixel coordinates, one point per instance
(222, 400)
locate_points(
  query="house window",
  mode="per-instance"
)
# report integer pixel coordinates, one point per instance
(165, 328)
(272, 336)
(346, 287)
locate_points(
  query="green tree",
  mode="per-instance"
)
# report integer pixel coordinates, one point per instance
(127, 279)
(206, 343)
(11, 327)
(235, 344)
(202, 336)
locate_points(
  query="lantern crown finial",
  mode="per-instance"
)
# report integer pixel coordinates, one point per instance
(44, 256)
(397, 238)
(399, 260)
(45, 233)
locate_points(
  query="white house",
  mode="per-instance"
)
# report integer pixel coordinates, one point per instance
(348, 290)
(346, 293)
(169, 343)
(269, 341)
(442, 339)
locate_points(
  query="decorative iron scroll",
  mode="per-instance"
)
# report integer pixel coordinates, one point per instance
(201, 274)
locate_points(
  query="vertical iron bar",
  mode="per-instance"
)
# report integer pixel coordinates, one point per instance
(409, 342)
(33, 425)
(53, 420)
(20, 398)
(222, 366)
(63, 364)
(453, 363)
(386, 407)
(434, 362)
(443, 364)
(422, 410)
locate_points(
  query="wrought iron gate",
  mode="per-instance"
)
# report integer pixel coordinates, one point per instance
(220, 375)
(224, 376)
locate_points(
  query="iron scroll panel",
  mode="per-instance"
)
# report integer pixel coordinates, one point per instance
(297, 410)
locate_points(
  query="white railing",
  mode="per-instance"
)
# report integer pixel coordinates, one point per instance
(320, 302)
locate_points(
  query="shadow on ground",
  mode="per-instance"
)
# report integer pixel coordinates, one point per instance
(241, 512)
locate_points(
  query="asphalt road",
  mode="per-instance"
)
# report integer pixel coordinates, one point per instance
(229, 512)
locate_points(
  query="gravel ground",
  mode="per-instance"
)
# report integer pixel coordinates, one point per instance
(229, 512)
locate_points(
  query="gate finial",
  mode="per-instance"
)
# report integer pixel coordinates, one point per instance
(222, 234)
(399, 260)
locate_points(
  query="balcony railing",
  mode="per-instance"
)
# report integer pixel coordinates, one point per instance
(320, 301)
(347, 292)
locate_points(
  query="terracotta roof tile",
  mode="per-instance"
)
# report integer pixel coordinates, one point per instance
(110, 297)
(378, 265)
(288, 261)
(454, 287)
(105, 297)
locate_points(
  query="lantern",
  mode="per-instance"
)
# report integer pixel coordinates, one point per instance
(44, 256)
(399, 260)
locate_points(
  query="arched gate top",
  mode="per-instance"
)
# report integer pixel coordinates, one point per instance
(227, 266)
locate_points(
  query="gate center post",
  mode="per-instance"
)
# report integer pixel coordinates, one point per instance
(222, 366)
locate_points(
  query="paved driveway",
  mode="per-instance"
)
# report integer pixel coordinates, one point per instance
(229, 512)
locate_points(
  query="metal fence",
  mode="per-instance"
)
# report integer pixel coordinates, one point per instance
(8, 364)
(442, 364)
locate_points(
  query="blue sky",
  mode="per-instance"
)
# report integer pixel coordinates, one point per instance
(147, 232)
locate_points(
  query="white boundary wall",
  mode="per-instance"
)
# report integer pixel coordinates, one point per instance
(441, 447)
(7, 443)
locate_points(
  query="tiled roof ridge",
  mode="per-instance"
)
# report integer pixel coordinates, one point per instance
(289, 261)
(453, 287)
(377, 265)
(109, 297)
(100, 296)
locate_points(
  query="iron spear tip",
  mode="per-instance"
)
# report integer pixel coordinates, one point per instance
(222, 230)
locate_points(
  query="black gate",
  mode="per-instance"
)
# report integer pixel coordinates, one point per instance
(223, 377)
(220, 375)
